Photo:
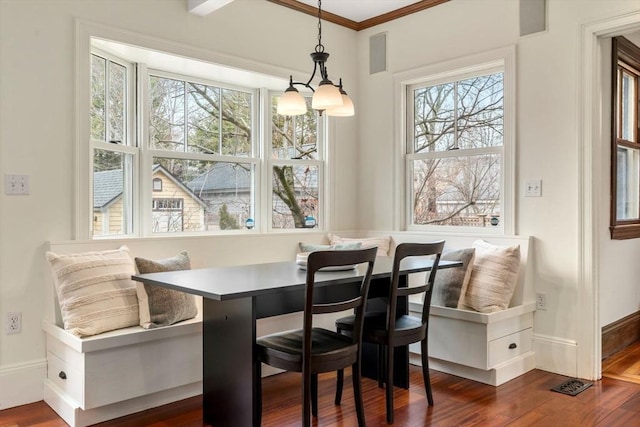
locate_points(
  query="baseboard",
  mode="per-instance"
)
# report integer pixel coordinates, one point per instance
(22, 383)
(556, 355)
(73, 415)
(495, 377)
(620, 334)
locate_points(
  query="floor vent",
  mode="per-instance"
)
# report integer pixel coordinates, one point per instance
(572, 387)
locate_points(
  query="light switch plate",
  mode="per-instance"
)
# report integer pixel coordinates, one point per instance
(533, 188)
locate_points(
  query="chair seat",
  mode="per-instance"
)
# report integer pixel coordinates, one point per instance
(328, 349)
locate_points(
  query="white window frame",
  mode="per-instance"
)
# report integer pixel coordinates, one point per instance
(320, 163)
(142, 157)
(504, 60)
(130, 146)
(148, 154)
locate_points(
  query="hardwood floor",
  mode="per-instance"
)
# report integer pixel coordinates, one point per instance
(624, 365)
(524, 401)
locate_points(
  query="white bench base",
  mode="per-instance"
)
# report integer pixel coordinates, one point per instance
(75, 416)
(491, 348)
(116, 373)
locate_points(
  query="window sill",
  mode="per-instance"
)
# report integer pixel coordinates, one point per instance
(622, 232)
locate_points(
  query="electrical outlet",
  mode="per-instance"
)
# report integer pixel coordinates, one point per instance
(14, 323)
(16, 184)
(541, 301)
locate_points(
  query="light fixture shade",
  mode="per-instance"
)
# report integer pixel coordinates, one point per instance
(291, 103)
(345, 110)
(326, 96)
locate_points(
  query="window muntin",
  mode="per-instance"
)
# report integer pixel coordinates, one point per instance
(296, 169)
(625, 144)
(455, 155)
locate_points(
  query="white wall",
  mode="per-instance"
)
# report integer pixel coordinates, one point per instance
(38, 130)
(548, 74)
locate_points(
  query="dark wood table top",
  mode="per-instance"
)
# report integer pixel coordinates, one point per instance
(227, 283)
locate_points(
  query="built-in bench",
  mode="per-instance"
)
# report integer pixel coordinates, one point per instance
(491, 348)
(116, 373)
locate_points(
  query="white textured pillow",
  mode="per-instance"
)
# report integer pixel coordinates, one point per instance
(493, 278)
(95, 290)
(382, 243)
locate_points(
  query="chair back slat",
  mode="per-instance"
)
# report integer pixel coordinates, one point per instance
(337, 306)
(405, 250)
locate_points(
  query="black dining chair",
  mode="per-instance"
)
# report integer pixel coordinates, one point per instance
(313, 350)
(389, 329)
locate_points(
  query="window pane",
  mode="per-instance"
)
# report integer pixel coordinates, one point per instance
(236, 123)
(111, 193)
(295, 196)
(480, 112)
(166, 114)
(434, 118)
(628, 106)
(204, 119)
(98, 93)
(461, 191)
(117, 102)
(214, 195)
(294, 137)
(628, 193)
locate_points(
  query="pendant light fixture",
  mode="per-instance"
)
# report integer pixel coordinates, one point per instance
(327, 97)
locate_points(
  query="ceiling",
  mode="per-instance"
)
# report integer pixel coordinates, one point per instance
(360, 14)
(354, 14)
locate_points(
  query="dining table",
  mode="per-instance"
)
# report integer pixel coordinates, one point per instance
(235, 297)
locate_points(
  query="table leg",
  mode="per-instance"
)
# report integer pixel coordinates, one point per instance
(228, 371)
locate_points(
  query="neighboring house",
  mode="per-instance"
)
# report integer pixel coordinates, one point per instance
(175, 207)
(224, 184)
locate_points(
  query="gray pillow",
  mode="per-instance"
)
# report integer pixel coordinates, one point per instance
(451, 283)
(160, 306)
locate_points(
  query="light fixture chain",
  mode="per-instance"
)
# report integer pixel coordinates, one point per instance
(319, 46)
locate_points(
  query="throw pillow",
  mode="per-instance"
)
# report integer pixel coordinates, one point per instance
(310, 247)
(493, 277)
(160, 306)
(382, 243)
(95, 290)
(451, 283)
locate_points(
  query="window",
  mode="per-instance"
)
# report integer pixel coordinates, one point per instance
(625, 144)
(113, 151)
(179, 152)
(296, 169)
(212, 129)
(458, 126)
